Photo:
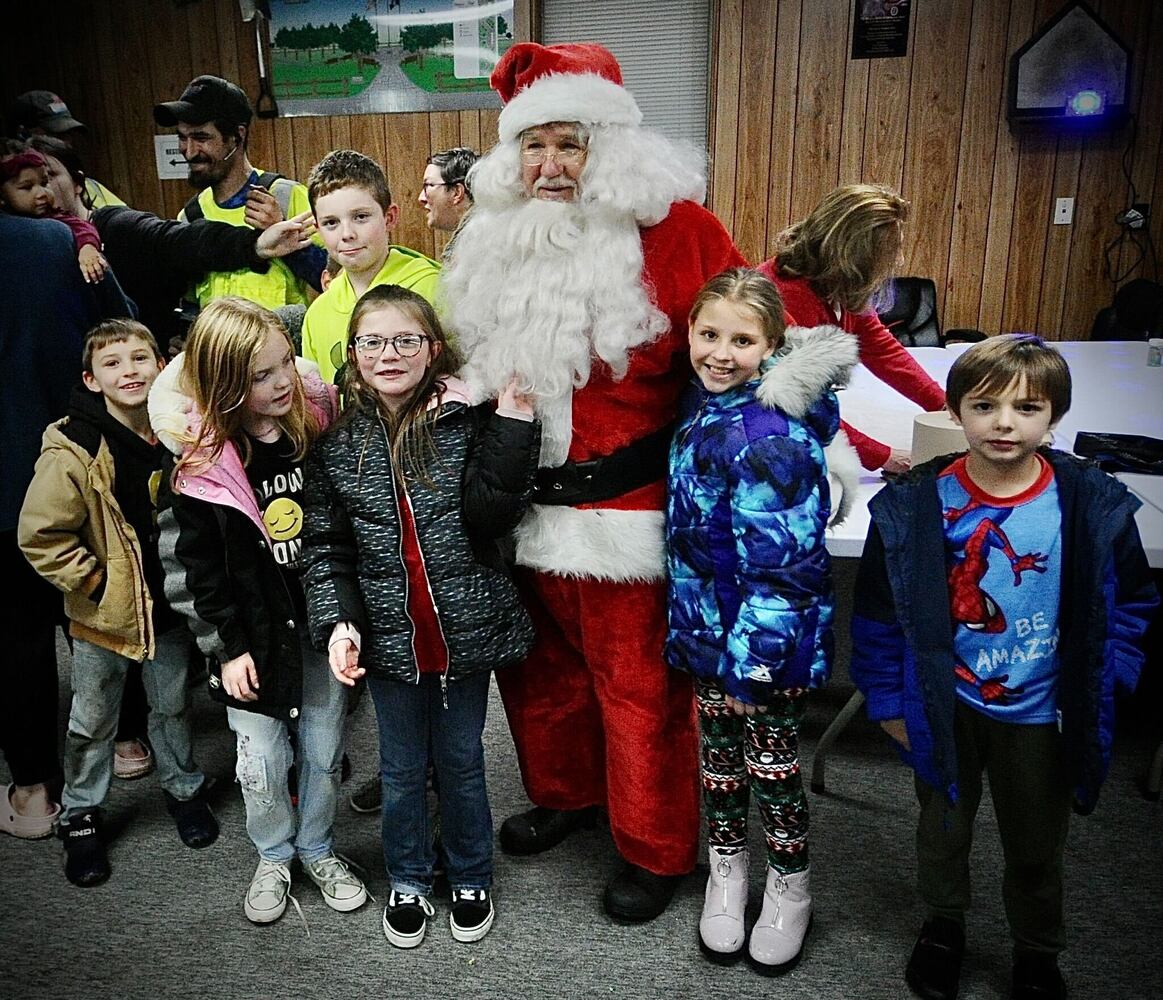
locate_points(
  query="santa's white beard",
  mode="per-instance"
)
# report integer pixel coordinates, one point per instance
(540, 289)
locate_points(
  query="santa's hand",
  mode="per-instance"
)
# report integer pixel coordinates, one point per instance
(513, 397)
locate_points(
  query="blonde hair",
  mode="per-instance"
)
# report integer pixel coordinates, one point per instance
(750, 289)
(992, 366)
(838, 245)
(217, 371)
(409, 428)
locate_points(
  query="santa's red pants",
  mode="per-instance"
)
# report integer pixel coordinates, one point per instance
(599, 719)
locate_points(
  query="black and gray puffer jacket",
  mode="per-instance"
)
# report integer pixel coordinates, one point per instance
(352, 563)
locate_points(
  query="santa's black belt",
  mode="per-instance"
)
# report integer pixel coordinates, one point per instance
(638, 464)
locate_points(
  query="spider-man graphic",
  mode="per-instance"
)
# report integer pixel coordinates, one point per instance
(974, 530)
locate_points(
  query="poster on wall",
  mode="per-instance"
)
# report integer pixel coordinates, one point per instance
(880, 29)
(353, 57)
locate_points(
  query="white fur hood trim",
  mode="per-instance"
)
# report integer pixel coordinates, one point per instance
(843, 477)
(812, 361)
(599, 544)
(568, 97)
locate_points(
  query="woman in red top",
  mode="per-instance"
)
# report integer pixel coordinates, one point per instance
(827, 268)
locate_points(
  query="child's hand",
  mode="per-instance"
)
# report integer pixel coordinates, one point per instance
(742, 707)
(343, 655)
(240, 678)
(286, 237)
(262, 208)
(93, 264)
(896, 729)
(512, 397)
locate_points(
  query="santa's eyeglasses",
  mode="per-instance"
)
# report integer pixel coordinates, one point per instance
(568, 156)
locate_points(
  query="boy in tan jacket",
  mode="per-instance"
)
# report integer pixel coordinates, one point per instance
(89, 526)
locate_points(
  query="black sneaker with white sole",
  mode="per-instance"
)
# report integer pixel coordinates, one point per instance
(472, 914)
(406, 918)
(86, 863)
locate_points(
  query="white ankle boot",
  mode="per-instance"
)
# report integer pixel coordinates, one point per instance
(777, 938)
(721, 930)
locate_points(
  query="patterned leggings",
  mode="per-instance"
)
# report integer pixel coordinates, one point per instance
(760, 752)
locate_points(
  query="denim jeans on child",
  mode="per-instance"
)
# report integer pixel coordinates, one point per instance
(413, 721)
(98, 680)
(264, 757)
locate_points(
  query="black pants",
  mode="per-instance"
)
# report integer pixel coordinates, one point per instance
(28, 709)
(1031, 797)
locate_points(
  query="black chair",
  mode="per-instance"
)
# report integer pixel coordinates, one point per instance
(909, 309)
(1135, 314)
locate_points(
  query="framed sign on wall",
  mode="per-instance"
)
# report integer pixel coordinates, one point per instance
(350, 57)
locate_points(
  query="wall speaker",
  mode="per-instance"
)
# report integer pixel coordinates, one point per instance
(1075, 73)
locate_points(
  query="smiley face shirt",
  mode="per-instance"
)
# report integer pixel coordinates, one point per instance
(277, 480)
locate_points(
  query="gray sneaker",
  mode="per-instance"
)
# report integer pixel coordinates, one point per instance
(341, 888)
(266, 899)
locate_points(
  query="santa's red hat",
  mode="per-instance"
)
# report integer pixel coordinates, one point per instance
(561, 83)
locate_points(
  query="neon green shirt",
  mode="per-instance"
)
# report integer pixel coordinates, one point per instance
(325, 325)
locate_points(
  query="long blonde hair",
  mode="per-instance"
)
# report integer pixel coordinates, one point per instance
(409, 428)
(217, 369)
(837, 247)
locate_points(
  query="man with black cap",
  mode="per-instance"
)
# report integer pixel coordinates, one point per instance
(213, 118)
(41, 112)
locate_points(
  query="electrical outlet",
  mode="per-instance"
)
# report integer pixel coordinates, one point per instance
(1063, 211)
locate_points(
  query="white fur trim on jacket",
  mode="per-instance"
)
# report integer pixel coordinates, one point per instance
(619, 545)
(813, 360)
(843, 477)
(568, 97)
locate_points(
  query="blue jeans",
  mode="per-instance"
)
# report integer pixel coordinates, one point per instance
(413, 722)
(98, 680)
(264, 757)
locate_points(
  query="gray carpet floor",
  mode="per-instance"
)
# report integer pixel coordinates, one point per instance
(169, 923)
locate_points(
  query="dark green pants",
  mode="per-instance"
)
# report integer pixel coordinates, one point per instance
(1031, 797)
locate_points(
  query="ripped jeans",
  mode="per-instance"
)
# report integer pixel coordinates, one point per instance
(264, 757)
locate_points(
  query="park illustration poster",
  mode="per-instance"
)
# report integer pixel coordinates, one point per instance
(350, 57)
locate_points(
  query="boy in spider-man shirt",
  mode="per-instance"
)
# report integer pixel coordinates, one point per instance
(999, 601)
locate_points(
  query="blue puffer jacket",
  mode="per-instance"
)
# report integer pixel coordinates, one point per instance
(902, 636)
(750, 600)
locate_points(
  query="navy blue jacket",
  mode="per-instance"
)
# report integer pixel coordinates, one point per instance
(902, 636)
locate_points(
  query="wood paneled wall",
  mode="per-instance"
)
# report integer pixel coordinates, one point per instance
(113, 60)
(792, 116)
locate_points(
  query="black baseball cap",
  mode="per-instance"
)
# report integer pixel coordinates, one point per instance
(206, 99)
(42, 109)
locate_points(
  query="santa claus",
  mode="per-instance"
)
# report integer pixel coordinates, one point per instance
(575, 271)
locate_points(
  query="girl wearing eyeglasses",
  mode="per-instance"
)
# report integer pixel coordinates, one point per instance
(404, 499)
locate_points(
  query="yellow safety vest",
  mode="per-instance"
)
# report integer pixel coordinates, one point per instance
(279, 286)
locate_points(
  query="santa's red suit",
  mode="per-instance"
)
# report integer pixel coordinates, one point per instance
(596, 715)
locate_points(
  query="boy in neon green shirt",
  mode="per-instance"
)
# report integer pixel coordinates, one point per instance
(354, 214)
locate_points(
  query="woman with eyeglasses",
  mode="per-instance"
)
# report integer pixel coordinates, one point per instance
(404, 498)
(827, 268)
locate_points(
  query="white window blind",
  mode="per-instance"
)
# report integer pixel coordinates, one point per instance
(663, 47)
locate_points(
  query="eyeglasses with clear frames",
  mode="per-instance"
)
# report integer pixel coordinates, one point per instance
(570, 156)
(406, 345)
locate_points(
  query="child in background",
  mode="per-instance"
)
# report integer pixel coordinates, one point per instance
(404, 498)
(239, 416)
(750, 603)
(89, 526)
(25, 190)
(998, 604)
(355, 214)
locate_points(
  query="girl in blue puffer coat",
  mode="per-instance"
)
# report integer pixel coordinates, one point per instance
(750, 604)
